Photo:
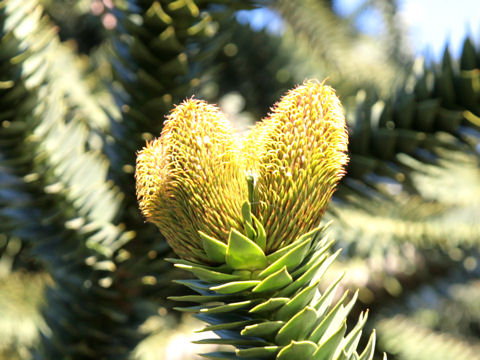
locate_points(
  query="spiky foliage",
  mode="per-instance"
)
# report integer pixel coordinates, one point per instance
(410, 193)
(270, 307)
(408, 204)
(326, 45)
(269, 268)
(446, 326)
(414, 342)
(53, 134)
(56, 174)
(416, 140)
(398, 248)
(426, 106)
(20, 316)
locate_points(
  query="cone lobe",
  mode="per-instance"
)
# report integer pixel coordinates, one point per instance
(191, 178)
(298, 158)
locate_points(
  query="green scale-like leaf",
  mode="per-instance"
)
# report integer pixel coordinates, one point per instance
(296, 350)
(243, 253)
(264, 329)
(215, 249)
(298, 327)
(274, 281)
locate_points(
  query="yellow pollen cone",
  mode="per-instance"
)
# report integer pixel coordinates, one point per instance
(193, 178)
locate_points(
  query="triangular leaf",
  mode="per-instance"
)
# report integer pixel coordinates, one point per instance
(291, 259)
(298, 327)
(326, 298)
(215, 249)
(196, 285)
(328, 348)
(279, 253)
(221, 319)
(367, 354)
(226, 308)
(274, 282)
(216, 309)
(247, 219)
(300, 300)
(201, 299)
(313, 260)
(270, 305)
(325, 324)
(339, 317)
(208, 275)
(297, 350)
(227, 326)
(243, 253)
(258, 352)
(333, 320)
(350, 343)
(264, 329)
(313, 274)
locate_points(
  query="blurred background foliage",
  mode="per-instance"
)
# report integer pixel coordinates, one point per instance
(84, 83)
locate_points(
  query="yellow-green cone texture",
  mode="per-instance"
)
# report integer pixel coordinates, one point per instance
(193, 178)
(190, 179)
(298, 159)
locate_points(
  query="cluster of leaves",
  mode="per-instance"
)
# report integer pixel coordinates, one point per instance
(270, 306)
